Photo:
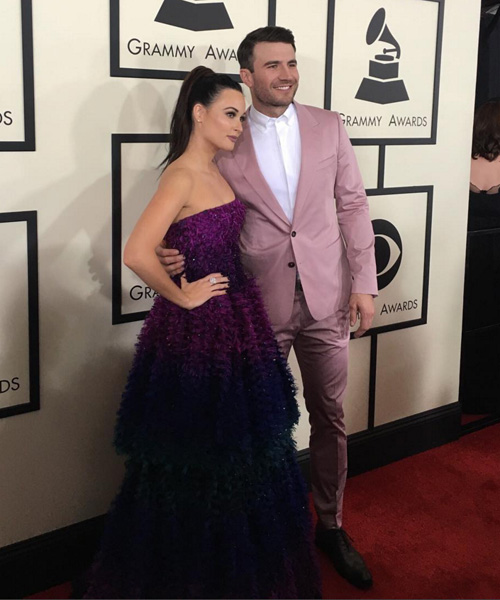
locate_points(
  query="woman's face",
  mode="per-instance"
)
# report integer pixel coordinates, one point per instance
(221, 122)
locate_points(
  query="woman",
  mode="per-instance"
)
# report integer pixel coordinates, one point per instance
(479, 374)
(484, 198)
(213, 504)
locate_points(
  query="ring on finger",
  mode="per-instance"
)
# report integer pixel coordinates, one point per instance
(212, 280)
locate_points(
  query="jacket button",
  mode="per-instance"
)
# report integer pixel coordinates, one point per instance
(291, 265)
(294, 233)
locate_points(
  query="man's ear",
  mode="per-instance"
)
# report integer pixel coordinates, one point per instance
(247, 77)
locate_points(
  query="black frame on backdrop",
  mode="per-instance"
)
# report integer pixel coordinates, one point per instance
(117, 139)
(374, 332)
(30, 217)
(28, 144)
(118, 71)
(429, 190)
(437, 73)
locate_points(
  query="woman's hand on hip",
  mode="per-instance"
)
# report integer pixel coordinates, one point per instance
(199, 291)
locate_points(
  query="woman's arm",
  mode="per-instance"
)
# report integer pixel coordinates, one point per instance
(139, 255)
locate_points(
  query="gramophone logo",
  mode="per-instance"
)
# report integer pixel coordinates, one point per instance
(195, 15)
(382, 86)
(388, 251)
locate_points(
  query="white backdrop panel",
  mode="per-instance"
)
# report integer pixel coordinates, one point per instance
(152, 36)
(140, 175)
(367, 157)
(384, 67)
(11, 72)
(400, 224)
(358, 384)
(14, 315)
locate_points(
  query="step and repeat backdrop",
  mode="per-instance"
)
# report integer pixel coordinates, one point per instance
(102, 78)
(382, 76)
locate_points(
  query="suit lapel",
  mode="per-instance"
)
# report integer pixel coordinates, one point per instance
(309, 141)
(245, 157)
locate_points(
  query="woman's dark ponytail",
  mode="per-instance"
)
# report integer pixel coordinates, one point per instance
(201, 86)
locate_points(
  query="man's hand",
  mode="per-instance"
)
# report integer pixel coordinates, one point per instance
(362, 306)
(172, 261)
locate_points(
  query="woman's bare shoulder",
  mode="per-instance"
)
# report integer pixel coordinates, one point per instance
(177, 179)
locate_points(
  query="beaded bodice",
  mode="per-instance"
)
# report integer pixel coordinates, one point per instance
(209, 241)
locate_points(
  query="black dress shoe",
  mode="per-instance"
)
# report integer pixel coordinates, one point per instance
(349, 563)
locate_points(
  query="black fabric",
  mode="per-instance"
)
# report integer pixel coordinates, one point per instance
(484, 210)
(480, 368)
(482, 280)
(480, 375)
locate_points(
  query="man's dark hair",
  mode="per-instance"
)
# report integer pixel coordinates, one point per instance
(263, 34)
(486, 134)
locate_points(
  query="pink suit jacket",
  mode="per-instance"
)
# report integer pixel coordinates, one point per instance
(330, 239)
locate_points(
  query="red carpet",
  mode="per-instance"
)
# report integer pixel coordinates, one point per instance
(428, 526)
(466, 419)
(60, 591)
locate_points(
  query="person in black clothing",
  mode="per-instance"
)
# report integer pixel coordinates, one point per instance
(484, 198)
(479, 374)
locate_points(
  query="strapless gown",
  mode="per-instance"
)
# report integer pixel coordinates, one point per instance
(213, 504)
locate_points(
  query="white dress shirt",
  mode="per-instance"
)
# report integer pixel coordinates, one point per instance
(278, 149)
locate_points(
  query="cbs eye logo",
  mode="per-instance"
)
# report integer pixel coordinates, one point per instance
(388, 251)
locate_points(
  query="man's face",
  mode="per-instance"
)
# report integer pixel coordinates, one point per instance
(275, 77)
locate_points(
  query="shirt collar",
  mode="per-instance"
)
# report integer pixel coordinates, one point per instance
(263, 122)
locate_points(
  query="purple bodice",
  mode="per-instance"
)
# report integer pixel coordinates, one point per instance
(209, 241)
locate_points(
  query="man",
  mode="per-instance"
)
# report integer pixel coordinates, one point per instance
(313, 256)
